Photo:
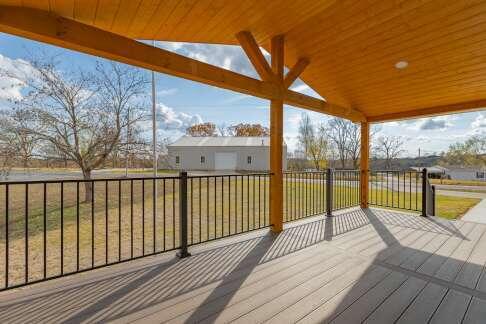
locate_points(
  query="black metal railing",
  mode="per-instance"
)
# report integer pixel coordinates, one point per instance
(396, 189)
(60, 227)
(428, 196)
(224, 205)
(407, 190)
(313, 193)
(304, 194)
(346, 189)
(56, 228)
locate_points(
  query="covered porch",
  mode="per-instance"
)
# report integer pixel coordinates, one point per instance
(362, 265)
(370, 62)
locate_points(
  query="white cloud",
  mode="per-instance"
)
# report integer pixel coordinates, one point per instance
(169, 119)
(11, 88)
(236, 98)
(434, 123)
(226, 56)
(166, 92)
(170, 123)
(479, 122)
(300, 88)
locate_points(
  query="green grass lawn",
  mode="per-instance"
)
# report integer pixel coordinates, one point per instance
(446, 206)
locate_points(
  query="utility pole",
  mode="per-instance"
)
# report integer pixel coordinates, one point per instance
(154, 123)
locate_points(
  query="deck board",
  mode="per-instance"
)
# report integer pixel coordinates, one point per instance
(373, 266)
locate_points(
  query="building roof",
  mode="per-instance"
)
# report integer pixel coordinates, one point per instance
(386, 59)
(440, 169)
(218, 141)
(432, 169)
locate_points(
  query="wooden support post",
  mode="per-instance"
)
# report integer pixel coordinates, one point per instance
(276, 139)
(365, 164)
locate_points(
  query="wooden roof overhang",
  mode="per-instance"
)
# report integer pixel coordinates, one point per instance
(345, 50)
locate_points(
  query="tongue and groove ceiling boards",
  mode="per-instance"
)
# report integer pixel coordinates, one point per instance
(351, 46)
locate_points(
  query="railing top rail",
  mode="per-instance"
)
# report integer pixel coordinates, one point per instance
(404, 171)
(229, 175)
(113, 179)
(19, 182)
(301, 172)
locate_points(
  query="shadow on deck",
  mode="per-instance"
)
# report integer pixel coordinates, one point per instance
(374, 265)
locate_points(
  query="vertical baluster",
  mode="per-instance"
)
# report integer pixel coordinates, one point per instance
(106, 222)
(92, 223)
(410, 190)
(248, 202)
(164, 203)
(7, 247)
(173, 212)
(44, 218)
(207, 207)
(222, 206)
(192, 209)
(154, 214)
(242, 204)
(143, 217)
(265, 200)
(253, 180)
(215, 208)
(119, 220)
(62, 228)
(131, 218)
(229, 204)
(77, 224)
(200, 212)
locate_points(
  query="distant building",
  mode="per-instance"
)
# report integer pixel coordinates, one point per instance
(222, 153)
(455, 173)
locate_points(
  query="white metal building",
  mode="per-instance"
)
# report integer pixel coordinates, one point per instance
(222, 153)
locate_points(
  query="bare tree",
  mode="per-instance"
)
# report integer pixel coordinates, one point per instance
(7, 155)
(354, 144)
(16, 124)
(225, 130)
(388, 148)
(314, 143)
(344, 136)
(82, 114)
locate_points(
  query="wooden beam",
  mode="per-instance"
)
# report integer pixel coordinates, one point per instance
(307, 102)
(276, 139)
(48, 28)
(364, 164)
(252, 50)
(295, 72)
(474, 105)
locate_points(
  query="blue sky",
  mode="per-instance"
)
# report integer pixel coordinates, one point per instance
(183, 102)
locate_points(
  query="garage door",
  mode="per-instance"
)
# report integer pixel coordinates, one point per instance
(225, 161)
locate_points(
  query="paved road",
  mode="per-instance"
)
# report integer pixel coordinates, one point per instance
(36, 175)
(456, 187)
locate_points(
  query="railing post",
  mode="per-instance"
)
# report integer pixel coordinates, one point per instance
(433, 201)
(329, 188)
(424, 192)
(183, 253)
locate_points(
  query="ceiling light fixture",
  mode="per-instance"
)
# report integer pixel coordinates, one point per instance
(401, 65)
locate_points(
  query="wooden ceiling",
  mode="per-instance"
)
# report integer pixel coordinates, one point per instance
(352, 46)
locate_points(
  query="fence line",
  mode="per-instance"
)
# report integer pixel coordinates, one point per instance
(60, 227)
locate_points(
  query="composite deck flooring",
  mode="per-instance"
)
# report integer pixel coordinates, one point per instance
(360, 266)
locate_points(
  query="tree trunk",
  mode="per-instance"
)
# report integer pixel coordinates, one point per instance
(88, 186)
